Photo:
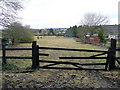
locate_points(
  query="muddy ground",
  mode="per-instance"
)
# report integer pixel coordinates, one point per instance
(61, 79)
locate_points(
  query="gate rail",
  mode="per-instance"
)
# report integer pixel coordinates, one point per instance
(109, 64)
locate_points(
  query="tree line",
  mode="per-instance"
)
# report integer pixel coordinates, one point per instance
(90, 24)
(49, 32)
(82, 31)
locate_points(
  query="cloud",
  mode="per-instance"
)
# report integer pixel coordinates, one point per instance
(65, 13)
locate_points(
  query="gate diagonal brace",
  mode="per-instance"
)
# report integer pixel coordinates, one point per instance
(50, 65)
(77, 66)
(98, 54)
(58, 62)
(115, 58)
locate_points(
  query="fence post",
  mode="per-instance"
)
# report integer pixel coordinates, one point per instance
(112, 54)
(107, 60)
(35, 61)
(37, 56)
(3, 54)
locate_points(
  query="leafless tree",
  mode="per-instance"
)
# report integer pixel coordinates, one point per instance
(94, 19)
(8, 11)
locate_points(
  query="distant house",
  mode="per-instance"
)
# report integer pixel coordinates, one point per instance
(111, 31)
(94, 37)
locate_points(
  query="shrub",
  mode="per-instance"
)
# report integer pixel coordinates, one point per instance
(101, 35)
(18, 33)
(9, 67)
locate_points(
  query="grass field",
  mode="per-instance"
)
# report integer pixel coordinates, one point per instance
(54, 55)
(58, 78)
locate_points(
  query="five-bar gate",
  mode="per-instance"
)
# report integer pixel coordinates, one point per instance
(109, 64)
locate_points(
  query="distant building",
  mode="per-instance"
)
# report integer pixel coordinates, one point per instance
(111, 31)
(45, 31)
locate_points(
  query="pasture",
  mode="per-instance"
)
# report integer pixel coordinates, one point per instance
(43, 78)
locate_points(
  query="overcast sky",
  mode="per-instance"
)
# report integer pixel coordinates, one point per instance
(65, 13)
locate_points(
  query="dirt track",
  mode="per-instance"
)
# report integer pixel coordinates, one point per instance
(62, 79)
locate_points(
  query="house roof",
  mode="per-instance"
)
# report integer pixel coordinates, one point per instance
(110, 29)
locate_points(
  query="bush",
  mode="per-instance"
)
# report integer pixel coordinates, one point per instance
(18, 33)
(27, 38)
(9, 67)
(101, 35)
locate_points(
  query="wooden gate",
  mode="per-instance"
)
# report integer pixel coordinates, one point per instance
(77, 66)
(109, 64)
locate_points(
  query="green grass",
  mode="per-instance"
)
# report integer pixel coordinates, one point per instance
(65, 43)
(53, 41)
(9, 67)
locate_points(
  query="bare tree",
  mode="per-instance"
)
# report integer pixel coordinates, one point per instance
(93, 19)
(8, 11)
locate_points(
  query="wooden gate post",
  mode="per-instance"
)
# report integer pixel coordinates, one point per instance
(37, 61)
(107, 60)
(112, 54)
(3, 54)
(35, 58)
